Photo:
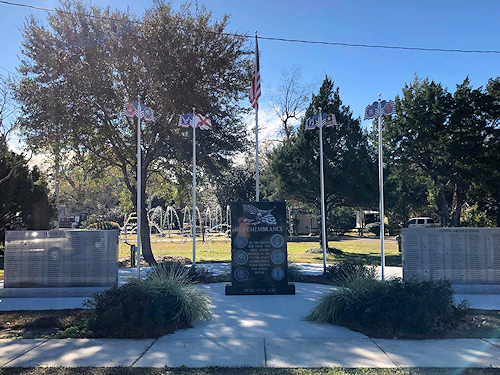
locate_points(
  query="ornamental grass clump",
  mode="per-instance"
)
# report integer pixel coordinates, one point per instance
(166, 299)
(295, 273)
(390, 308)
(345, 272)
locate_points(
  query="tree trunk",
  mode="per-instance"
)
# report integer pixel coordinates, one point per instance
(443, 210)
(456, 207)
(146, 250)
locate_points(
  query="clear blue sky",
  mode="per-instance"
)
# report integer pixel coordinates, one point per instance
(361, 73)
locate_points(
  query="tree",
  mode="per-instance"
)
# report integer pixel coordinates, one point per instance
(350, 170)
(442, 136)
(406, 193)
(6, 110)
(485, 192)
(25, 201)
(78, 73)
(289, 100)
(236, 184)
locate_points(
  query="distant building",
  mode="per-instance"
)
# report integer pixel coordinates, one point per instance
(305, 223)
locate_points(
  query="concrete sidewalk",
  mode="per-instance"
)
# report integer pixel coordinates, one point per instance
(264, 331)
(282, 353)
(479, 301)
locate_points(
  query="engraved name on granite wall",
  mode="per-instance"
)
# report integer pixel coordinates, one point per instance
(461, 255)
(60, 258)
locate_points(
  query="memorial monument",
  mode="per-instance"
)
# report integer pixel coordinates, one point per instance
(61, 258)
(465, 256)
(259, 249)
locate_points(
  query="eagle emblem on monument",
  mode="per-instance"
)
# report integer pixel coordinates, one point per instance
(258, 216)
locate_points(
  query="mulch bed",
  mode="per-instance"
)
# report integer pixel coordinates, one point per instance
(30, 324)
(39, 323)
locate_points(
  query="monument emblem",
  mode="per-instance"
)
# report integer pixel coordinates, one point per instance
(278, 273)
(241, 257)
(241, 274)
(241, 241)
(277, 241)
(259, 216)
(278, 257)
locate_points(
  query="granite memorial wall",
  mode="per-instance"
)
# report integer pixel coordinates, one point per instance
(468, 256)
(61, 258)
(259, 249)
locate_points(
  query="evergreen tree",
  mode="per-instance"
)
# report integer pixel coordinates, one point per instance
(25, 201)
(349, 166)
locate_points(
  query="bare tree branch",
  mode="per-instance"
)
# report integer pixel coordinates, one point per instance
(290, 99)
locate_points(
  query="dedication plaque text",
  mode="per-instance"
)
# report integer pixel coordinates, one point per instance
(56, 258)
(259, 249)
(461, 255)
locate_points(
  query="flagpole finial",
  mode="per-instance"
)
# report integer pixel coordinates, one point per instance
(379, 97)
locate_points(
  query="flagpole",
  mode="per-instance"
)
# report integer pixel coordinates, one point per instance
(321, 172)
(381, 186)
(194, 188)
(139, 186)
(256, 136)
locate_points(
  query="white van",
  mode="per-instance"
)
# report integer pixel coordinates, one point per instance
(422, 222)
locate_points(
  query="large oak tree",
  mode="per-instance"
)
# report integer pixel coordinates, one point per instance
(80, 69)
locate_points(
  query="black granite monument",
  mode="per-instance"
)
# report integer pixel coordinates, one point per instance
(258, 249)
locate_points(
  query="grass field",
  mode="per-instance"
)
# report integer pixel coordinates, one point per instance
(219, 250)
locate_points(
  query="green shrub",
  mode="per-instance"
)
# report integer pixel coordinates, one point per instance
(195, 274)
(389, 308)
(294, 273)
(341, 220)
(345, 271)
(375, 228)
(104, 225)
(164, 300)
(319, 250)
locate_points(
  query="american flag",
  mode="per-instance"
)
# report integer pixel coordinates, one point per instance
(255, 86)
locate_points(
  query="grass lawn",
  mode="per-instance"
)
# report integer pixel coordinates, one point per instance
(219, 250)
(245, 371)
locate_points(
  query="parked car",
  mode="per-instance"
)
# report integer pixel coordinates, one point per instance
(422, 222)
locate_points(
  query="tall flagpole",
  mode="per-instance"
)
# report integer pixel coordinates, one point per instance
(381, 185)
(139, 206)
(256, 136)
(321, 173)
(194, 187)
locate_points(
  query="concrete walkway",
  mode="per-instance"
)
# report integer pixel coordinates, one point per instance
(478, 301)
(254, 331)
